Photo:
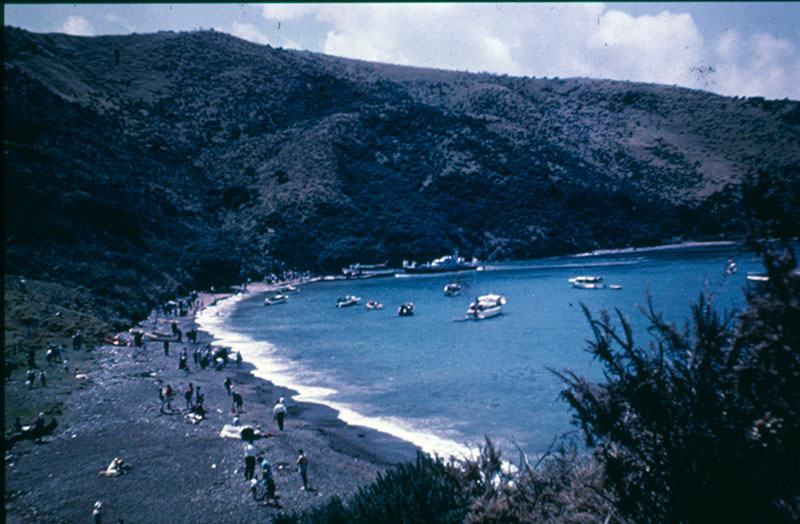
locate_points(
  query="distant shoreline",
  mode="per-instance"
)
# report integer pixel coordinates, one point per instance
(663, 247)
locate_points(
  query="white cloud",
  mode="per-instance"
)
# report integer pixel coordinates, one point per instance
(119, 22)
(78, 26)
(280, 12)
(249, 32)
(758, 65)
(562, 39)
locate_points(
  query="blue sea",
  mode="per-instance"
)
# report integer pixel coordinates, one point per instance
(445, 383)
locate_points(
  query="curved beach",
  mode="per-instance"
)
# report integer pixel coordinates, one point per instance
(182, 471)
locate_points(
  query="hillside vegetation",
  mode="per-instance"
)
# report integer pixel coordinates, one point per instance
(141, 166)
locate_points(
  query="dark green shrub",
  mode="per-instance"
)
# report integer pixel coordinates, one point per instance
(701, 425)
(426, 491)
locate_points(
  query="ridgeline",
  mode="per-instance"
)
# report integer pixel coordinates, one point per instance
(138, 167)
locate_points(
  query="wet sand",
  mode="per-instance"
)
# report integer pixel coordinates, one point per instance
(182, 472)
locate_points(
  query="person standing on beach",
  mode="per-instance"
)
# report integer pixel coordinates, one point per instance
(97, 517)
(188, 396)
(249, 460)
(228, 385)
(279, 412)
(237, 403)
(166, 348)
(199, 398)
(302, 466)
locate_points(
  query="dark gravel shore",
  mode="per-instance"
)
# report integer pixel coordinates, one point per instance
(182, 472)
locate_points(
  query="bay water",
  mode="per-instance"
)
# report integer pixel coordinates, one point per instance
(446, 383)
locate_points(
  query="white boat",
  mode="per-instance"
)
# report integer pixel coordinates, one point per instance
(406, 309)
(452, 289)
(442, 264)
(587, 282)
(348, 300)
(275, 299)
(614, 286)
(758, 278)
(288, 289)
(374, 304)
(486, 306)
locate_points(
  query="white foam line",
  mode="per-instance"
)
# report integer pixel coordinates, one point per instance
(279, 371)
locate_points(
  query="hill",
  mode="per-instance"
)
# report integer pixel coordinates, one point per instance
(140, 166)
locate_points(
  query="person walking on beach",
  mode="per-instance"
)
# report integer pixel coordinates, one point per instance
(198, 398)
(237, 403)
(249, 460)
(279, 412)
(77, 340)
(183, 362)
(188, 396)
(166, 348)
(97, 517)
(43, 378)
(228, 385)
(168, 393)
(302, 466)
(269, 482)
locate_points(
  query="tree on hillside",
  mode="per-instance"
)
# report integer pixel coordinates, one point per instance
(703, 424)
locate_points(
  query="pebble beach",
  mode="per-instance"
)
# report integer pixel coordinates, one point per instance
(181, 470)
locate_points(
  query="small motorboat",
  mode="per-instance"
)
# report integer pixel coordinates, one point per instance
(587, 282)
(486, 306)
(275, 299)
(452, 289)
(347, 300)
(758, 278)
(374, 304)
(288, 289)
(616, 287)
(406, 309)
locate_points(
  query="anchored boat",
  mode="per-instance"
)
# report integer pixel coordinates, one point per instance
(347, 300)
(587, 282)
(486, 306)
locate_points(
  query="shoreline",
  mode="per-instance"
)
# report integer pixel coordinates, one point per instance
(303, 393)
(186, 472)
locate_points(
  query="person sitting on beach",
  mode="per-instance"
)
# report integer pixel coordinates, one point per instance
(115, 469)
(279, 412)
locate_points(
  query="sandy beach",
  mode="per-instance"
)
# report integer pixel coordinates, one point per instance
(182, 472)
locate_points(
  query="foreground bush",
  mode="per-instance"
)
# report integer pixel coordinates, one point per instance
(426, 491)
(702, 424)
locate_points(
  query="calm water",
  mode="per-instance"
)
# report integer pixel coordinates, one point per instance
(444, 383)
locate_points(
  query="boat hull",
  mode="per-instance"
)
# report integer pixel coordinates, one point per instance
(485, 313)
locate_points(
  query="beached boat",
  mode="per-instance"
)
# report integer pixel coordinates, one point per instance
(406, 309)
(275, 299)
(587, 282)
(442, 264)
(452, 289)
(374, 304)
(347, 300)
(486, 306)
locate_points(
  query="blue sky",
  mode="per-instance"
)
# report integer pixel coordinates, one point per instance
(737, 49)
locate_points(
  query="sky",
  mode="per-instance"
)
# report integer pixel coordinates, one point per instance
(730, 48)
